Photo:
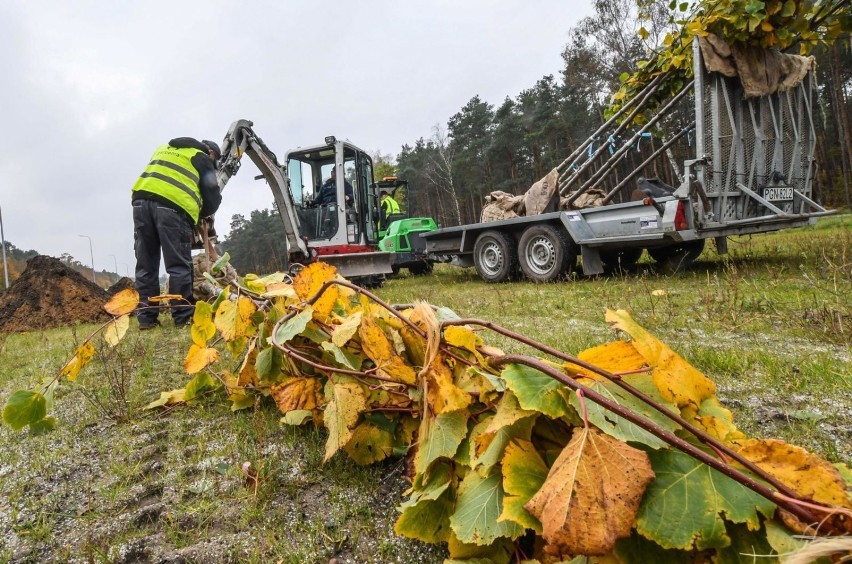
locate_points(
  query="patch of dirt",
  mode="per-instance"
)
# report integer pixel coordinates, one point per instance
(51, 294)
(123, 283)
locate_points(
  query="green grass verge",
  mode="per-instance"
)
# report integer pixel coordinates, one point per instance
(770, 323)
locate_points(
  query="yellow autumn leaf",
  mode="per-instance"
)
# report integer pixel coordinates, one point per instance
(676, 379)
(442, 393)
(803, 472)
(116, 329)
(81, 358)
(462, 337)
(346, 402)
(168, 398)
(202, 329)
(123, 302)
(233, 319)
(199, 357)
(615, 357)
(247, 374)
(309, 281)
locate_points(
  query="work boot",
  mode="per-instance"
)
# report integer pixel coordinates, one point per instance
(145, 325)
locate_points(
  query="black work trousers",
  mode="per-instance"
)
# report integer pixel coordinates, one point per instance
(158, 228)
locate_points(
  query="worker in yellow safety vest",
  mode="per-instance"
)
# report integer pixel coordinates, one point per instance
(176, 189)
(389, 206)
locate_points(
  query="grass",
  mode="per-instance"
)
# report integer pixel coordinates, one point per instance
(770, 323)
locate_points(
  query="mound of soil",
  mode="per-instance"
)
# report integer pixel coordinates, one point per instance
(123, 284)
(51, 294)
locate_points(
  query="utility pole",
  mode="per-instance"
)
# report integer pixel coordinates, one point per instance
(5, 266)
(115, 261)
(91, 255)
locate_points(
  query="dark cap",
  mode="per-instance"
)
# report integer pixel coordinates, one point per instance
(214, 147)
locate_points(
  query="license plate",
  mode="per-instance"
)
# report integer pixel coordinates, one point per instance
(778, 193)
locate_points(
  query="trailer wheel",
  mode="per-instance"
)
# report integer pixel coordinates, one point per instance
(676, 258)
(420, 268)
(545, 253)
(621, 260)
(495, 257)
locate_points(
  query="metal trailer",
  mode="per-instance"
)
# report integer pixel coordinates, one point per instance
(747, 167)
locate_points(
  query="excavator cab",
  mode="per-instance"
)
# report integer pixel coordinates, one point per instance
(320, 223)
(334, 210)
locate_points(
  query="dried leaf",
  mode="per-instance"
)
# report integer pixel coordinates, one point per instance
(122, 302)
(165, 298)
(116, 329)
(592, 494)
(462, 337)
(297, 393)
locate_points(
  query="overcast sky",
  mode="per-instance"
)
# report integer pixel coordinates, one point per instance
(90, 89)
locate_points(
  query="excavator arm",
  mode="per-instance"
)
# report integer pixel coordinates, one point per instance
(241, 139)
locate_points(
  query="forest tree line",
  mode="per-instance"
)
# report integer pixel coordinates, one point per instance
(512, 144)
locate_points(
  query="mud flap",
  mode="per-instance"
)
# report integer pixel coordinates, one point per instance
(356, 265)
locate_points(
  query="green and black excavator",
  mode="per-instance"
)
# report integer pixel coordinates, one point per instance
(399, 233)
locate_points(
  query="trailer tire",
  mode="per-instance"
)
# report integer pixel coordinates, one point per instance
(621, 260)
(676, 258)
(495, 256)
(546, 253)
(421, 268)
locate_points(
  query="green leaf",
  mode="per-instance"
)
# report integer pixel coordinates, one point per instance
(781, 539)
(616, 426)
(202, 381)
(297, 417)
(479, 504)
(524, 472)
(636, 548)
(268, 363)
(220, 264)
(491, 435)
(23, 408)
(440, 436)
(239, 402)
(536, 390)
(343, 357)
(294, 326)
(744, 543)
(427, 519)
(683, 506)
(43, 425)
